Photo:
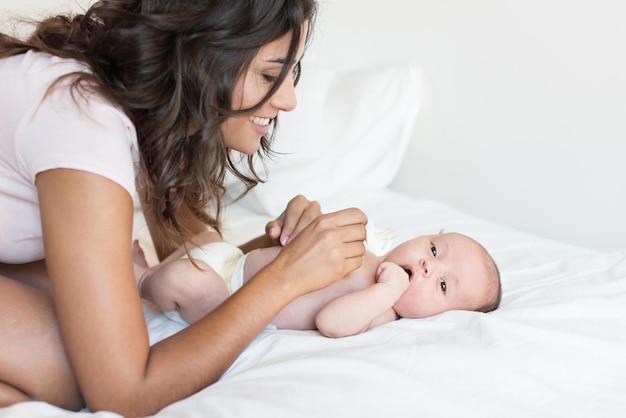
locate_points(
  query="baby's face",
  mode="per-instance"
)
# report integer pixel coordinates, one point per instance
(448, 271)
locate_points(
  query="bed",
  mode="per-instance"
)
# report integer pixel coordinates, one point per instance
(556, 346)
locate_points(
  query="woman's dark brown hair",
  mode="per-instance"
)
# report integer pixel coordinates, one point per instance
(172, 65)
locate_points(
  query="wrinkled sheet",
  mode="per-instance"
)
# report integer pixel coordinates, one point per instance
(555, 348)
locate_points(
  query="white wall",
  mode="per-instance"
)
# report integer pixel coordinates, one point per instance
(9, 9)
(527, 120)
(41, 7)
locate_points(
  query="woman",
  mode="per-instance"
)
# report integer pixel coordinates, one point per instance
(162, 92)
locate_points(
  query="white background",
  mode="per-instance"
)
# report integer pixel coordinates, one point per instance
(526, 121)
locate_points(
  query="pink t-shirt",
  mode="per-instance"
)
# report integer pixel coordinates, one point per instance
(60, 131)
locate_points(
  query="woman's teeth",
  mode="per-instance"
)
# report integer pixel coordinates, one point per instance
(260, 121)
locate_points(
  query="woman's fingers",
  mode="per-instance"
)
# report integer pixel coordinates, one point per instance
(300, 212)
(330, 247)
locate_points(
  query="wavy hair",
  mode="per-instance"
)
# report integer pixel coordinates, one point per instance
(172, 67)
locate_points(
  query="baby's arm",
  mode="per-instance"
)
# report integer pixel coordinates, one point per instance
(363, 309)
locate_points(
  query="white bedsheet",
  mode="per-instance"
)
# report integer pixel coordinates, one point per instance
(555, 348)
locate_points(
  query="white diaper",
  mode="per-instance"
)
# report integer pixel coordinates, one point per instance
(221, 257)
(236, 280)
(226, 259)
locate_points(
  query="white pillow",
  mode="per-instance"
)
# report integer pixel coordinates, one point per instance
(348, 133)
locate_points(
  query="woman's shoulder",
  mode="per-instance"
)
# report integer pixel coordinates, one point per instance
(34, 77)
(45, 65)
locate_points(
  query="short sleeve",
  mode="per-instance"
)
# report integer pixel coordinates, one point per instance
(79, 132)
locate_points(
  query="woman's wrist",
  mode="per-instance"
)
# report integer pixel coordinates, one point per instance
(276, 277)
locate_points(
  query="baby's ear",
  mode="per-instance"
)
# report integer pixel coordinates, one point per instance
(441, 231)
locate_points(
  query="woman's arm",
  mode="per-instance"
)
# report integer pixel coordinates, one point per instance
(87, 225)
(363, 309)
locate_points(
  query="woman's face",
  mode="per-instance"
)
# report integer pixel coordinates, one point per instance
(243, 133)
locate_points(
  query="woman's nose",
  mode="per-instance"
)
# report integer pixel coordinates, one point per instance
(285, 97)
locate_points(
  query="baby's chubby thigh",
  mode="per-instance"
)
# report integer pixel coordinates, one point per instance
(257, 259)
(192, 291)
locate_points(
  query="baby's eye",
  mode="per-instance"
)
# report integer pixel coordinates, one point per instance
(433, 250)
(443, 286)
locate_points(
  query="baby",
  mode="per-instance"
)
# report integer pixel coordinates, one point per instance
(421, 277)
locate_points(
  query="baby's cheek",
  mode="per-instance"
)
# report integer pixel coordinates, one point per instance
(417, 304)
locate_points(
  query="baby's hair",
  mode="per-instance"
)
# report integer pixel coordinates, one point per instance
(494, 295)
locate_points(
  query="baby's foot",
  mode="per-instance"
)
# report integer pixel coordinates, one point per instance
(140, 265)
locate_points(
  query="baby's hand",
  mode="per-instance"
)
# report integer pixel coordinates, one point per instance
(394, 276)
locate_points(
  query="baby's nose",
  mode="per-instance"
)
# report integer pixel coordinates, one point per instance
(426, 267)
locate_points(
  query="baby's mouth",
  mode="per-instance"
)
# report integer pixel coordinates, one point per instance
(409, 272)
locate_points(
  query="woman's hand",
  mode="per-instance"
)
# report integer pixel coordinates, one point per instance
(324, 251)
(300, 212)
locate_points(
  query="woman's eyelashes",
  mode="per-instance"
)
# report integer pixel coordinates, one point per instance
(273, 78)
(268, 78)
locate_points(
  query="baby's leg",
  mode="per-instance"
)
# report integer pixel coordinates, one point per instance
(257, 259)
(140, 265)
(179, 285)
